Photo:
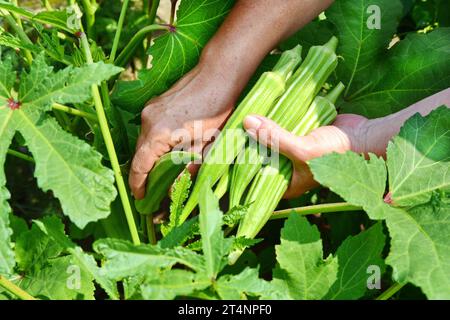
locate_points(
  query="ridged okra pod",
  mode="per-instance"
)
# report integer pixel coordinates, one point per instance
(271, 182)
(231, 140)
(302, 88)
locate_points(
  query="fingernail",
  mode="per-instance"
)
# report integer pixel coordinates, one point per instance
(252, 122)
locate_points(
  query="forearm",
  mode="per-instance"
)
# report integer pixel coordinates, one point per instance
(380, 131)
(252, 29)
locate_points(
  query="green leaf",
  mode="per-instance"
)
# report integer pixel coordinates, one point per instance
(54, 228)
(302, 271)
(314, 33)
(419, 231)
(354, 257)
(123, 259)
(235, 287)
(60, 279)
(179, 235)
(419, 158)
(414, 69)
(214, 245)
(174, 53)
(419, 247)
(172, 283)
(56, 18)
(358, 181)
(7, 79)
(34, 248)
(235, 215)
(64, 164)
(41, 87)
(162, 176)
(360, 46)
(178, 196)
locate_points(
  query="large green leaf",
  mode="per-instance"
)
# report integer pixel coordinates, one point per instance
(358, 181)
(419, 158)
(302, 272)
(354, 256)
(7, 78)
(174, 53)
(53, 281)
(123, 259)
(413, 69)
(235, 287)
(379, 80)
(54, 228)
(360, 46)
(172, 283)
(419, 224)
(64, 164)
(420, 247)
(44, 272)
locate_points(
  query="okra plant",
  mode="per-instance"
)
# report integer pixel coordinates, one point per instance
(74, 78)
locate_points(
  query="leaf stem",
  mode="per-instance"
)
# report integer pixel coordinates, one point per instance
(116, 40)
(111, 149)
(390, 291)
(129, 49)
(11, 287)
(75, 112)
(90, 16)
(319, 208)
(153, 10)
(20, 155)
(150, 229)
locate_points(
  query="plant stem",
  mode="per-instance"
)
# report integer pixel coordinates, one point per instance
(47, 5)
(111, 150)
(129, 49)
(150, 229)
(319, 208)
(20, 155)
(90, 16)
(116, 40)
(75, 112)
(390, 291)
(172, 11)
(153, 10)
(11, 287)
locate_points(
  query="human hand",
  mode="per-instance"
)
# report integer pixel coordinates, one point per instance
(348, 132)
(201, 100)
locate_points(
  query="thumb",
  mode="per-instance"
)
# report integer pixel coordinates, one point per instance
(271, 135)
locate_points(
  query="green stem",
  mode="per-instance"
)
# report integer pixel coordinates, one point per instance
(319, 208)
(129, 49)
(75, 112)
(47, 5)
(153, 10)
(90, 16)
(111, 150)
(150, 229)
(11, 287)
(20, 155)
(390, 291)
(172, 11)
(22, 35)
(116, 40)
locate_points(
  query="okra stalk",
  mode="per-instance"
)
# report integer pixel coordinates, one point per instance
(303, 86)
(231, 140)
(272, 181)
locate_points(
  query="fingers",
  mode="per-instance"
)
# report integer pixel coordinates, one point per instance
(272, 135)
(143, 161)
